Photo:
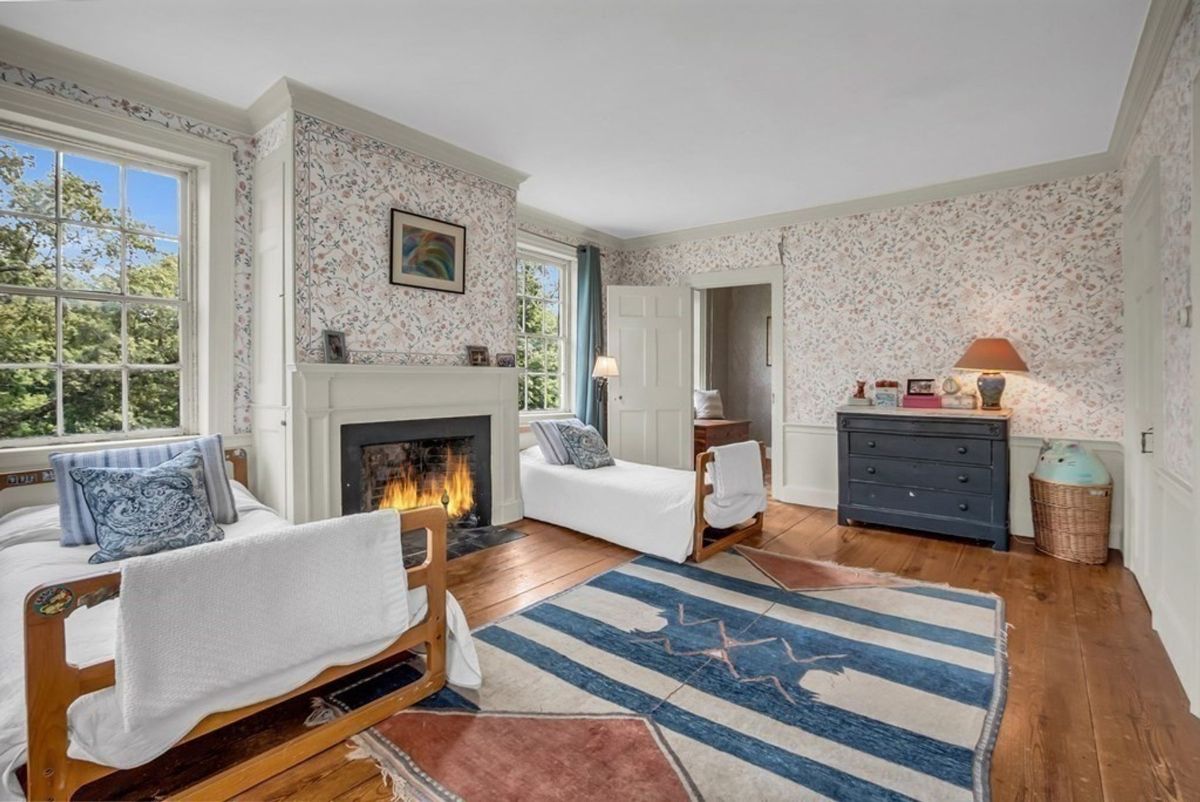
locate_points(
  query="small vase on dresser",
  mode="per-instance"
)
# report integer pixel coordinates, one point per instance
(943, 471)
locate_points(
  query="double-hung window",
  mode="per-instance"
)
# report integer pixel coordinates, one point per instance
(545, 334)
(95, 297)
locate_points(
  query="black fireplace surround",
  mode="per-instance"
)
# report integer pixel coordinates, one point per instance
(357, 436)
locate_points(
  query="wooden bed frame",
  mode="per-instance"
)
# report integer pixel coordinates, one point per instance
(51, 683)
(700, 550)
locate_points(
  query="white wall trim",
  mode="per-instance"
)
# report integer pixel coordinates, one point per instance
(1163, 19)
(315, 103)
(212, 163)
(49, 59)
(529, 216)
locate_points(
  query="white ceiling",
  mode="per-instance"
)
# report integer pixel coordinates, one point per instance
(642, 116)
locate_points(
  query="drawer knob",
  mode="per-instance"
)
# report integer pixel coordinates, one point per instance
(870, 469)
(962, 449)
(870, 444)
(962, 477)
(963, 506)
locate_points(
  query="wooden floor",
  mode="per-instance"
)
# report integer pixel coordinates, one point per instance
(1094, 710)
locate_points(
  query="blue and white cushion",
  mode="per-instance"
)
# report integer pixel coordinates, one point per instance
(78, 527)
(587, 448)
(550, 441)
(146, 510)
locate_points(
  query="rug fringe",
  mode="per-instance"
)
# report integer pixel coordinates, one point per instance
(401, 791)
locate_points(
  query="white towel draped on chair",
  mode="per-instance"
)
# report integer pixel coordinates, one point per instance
(738, 487)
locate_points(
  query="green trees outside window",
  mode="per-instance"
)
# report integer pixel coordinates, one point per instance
(541, 338)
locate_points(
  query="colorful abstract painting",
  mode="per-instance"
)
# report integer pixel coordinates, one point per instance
(427, 253)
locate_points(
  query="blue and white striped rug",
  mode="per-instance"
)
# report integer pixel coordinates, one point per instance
(751, 691)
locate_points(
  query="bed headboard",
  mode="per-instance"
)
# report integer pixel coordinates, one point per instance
(236, 458)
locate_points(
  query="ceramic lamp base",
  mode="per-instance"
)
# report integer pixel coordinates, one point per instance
(991, 388)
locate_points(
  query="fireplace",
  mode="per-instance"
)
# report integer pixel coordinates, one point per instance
(418, 463)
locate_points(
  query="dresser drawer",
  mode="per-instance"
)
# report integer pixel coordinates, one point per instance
(910, 473)
(942, 449)
(962, 506)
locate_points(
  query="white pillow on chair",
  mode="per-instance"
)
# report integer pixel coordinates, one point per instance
(708, 404)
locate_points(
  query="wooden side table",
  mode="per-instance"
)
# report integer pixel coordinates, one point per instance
(709, 433)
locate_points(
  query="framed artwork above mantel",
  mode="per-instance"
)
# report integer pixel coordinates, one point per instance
(427, 253)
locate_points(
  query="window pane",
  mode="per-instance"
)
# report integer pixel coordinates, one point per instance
(553, 397)
(521, 393)
(553, 358)
(522, 344)
(550, 281)
(91, 259)
(153, 334)
(535, 355)
(154, 399)
(152, 201)
(550, 319)
(531, 314)
(152, 266)
(91, 190)
(26, 177)
(91, 401)
(27, 407)
(91, 332)
(537, 391)
(27, 251)
(27, 329)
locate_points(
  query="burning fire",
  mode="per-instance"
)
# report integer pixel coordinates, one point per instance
(456, 490)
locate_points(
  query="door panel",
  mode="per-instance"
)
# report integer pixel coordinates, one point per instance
(650, 403)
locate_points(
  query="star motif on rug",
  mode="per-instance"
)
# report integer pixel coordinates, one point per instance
(722, 652)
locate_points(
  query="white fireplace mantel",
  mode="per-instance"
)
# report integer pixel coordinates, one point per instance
(326, 397)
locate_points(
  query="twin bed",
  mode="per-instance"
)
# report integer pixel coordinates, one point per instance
(647, 508)
(58, 621)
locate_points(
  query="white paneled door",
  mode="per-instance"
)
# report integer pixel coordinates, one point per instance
(650, 403)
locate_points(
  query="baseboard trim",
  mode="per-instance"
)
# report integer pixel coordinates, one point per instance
(808, 496)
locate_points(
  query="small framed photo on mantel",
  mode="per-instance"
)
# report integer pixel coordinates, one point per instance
(427, 253)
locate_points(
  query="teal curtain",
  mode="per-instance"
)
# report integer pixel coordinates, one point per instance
(589, 337)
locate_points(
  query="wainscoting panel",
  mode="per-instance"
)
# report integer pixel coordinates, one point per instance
(810, 473)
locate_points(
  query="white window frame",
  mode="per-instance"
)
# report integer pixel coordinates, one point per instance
(213, 187)
(185, 302)
(540, 248)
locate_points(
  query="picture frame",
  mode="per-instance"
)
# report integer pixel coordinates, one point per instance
(921, 387)
(427, 253)
(477, 356)
(336, 351)
(506, 360)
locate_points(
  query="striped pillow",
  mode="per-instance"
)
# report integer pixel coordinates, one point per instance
(78, 526)
(546, 432)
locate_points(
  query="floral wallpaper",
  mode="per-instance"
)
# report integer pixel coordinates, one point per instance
(901, 293)
(1166, 133)
(346, 183)
(243, 160)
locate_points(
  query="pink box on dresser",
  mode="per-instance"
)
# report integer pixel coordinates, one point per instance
(923, 401)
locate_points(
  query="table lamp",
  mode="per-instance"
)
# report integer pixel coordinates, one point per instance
(991, 355)
(604, 369)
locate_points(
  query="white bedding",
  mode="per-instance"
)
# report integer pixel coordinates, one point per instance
(646, 508)
(30, 555)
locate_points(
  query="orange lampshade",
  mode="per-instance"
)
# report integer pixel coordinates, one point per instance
(992, 353)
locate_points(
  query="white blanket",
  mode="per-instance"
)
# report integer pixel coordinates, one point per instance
(738, 489)
(737, 470)
(642, 507)
(30, 555)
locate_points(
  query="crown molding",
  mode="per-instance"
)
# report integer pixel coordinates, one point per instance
(47, 58)
(1008, 179)
(315, 103)
(1154, 47)
(270, 104)
(527, 215)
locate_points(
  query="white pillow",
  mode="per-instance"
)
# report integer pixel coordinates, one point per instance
(708, 404)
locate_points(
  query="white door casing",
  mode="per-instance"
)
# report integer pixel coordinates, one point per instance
(1144, 368)
(649, 332)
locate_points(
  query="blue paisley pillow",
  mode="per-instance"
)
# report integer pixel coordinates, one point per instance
(586, 447)
(144, 510)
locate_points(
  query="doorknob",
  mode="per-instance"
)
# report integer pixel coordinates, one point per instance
(1147, 448)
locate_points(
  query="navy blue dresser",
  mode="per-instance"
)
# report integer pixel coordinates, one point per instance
(943, 471)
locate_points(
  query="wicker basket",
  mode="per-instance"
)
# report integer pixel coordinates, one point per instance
(1071, 522)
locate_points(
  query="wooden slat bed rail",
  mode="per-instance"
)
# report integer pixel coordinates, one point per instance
(236, 457)
(701, 551)
(52, 683)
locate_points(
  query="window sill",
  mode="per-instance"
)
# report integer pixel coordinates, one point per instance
(37, 457)
(527, 417)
